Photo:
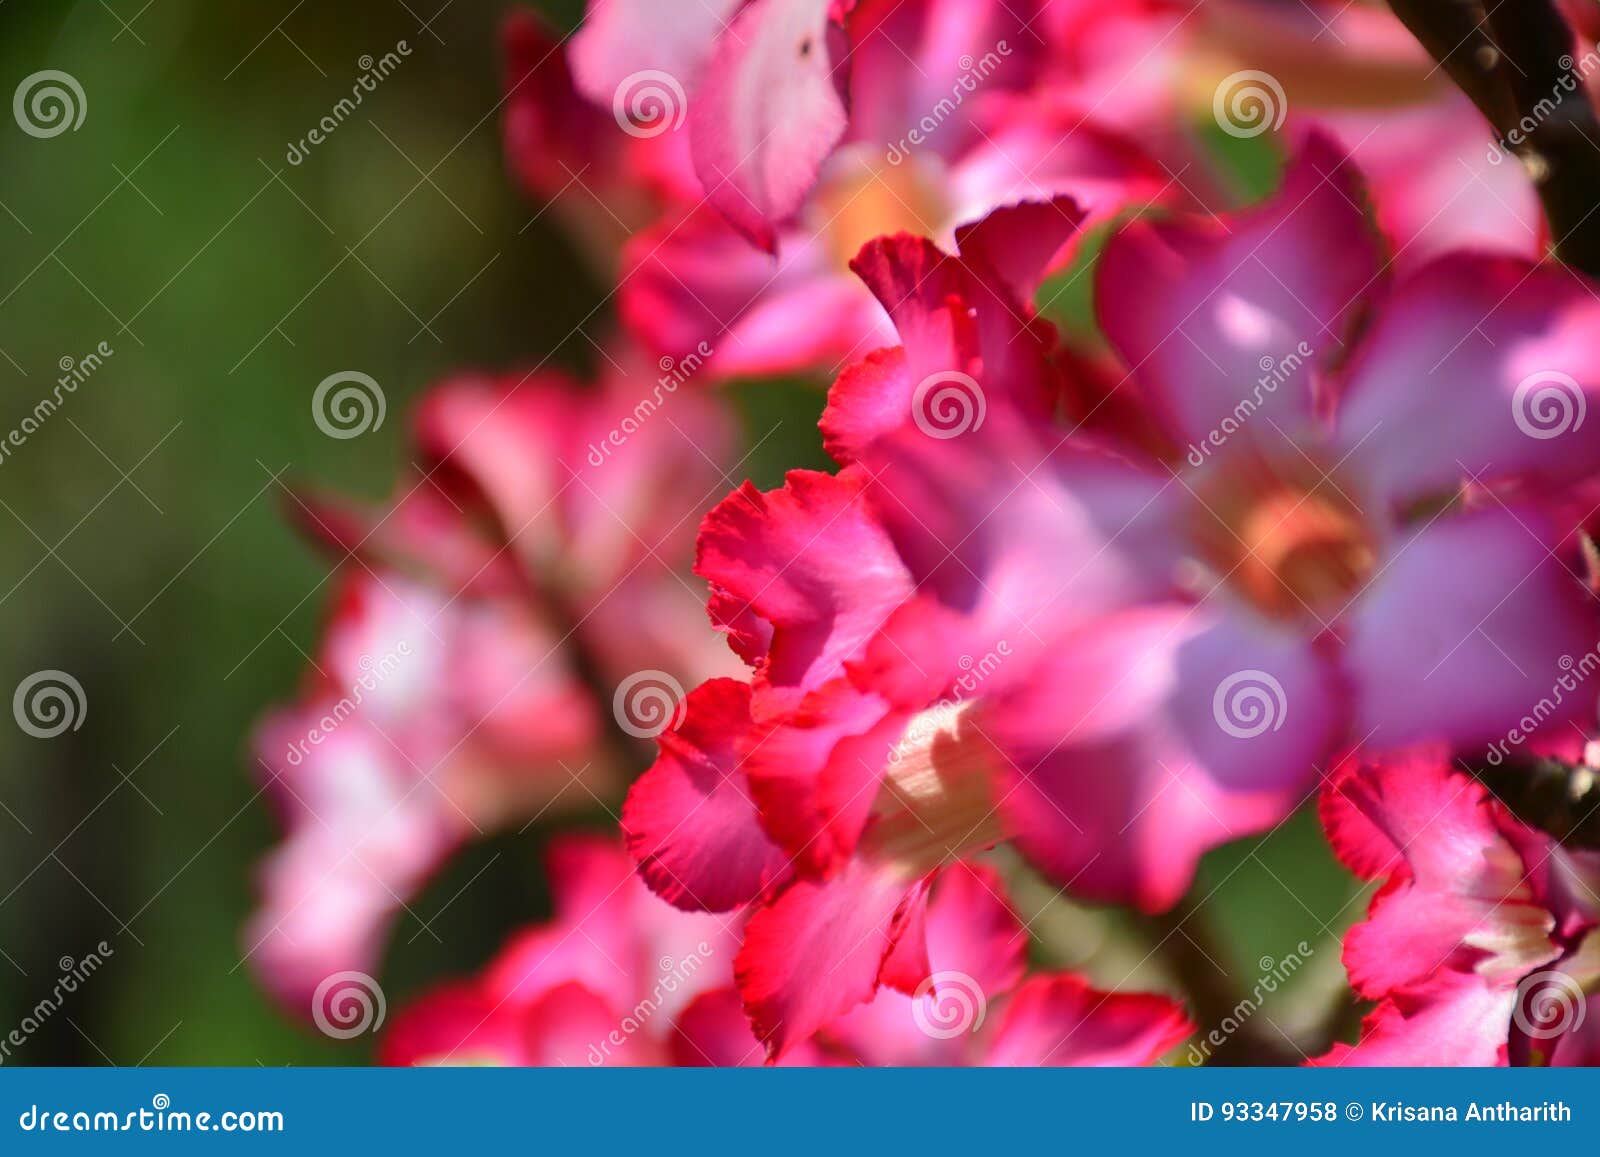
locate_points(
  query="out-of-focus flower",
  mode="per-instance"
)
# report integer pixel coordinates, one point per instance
(620, 978)
(603, 982)
(569, 153)
(814, 127)
(951, 116)
(425, 720)
(1439, 179)
(1481, 945)
(490, 621)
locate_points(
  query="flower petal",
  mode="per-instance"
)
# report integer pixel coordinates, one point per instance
(800, 578)
(1060, 1020)
(816, 951)
(1206, 313)
(971, 929)
(572, 1025)
(622, 38)
(911, 57)
(1456, 895)
(689, 820)
(593, 937)
(1458, 1019)
(961, 325)
(815, 772)
(1497, 359)
(713, 1031)
(693, 286)
(767, 113)
(455, 1024)
(1148, 737)
(1468, 625)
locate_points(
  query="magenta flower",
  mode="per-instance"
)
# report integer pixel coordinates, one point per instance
(986, 630)
(1439, 179)
(602, 983)
(619, 978)
(756, 147)
(536, 552)
(1481, 946)
(418, 728)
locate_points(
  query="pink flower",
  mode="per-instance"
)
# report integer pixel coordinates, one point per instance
(1303, 573)
(425, 721)
(768, 141)
(1439, 179)
(986, 630)
(601, 984)
(569, 153)
(619, 978)
(1481, 945)
(691, 280)
(973, 1006)
(487, 623)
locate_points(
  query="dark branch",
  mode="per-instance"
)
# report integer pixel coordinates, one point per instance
(1514, 58)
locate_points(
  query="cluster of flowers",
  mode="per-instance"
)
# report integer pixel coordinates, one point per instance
(1017, 615)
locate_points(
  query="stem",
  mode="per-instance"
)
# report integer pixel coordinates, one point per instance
(1514, 58)
(1187, 947)
(630, 755)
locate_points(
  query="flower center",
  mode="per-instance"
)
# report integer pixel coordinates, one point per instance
(937, 802)
(1287, 537)
(863, 197)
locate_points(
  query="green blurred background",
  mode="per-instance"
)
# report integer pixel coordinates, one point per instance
(142, 543)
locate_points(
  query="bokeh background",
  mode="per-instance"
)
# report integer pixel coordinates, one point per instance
(143, 543)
